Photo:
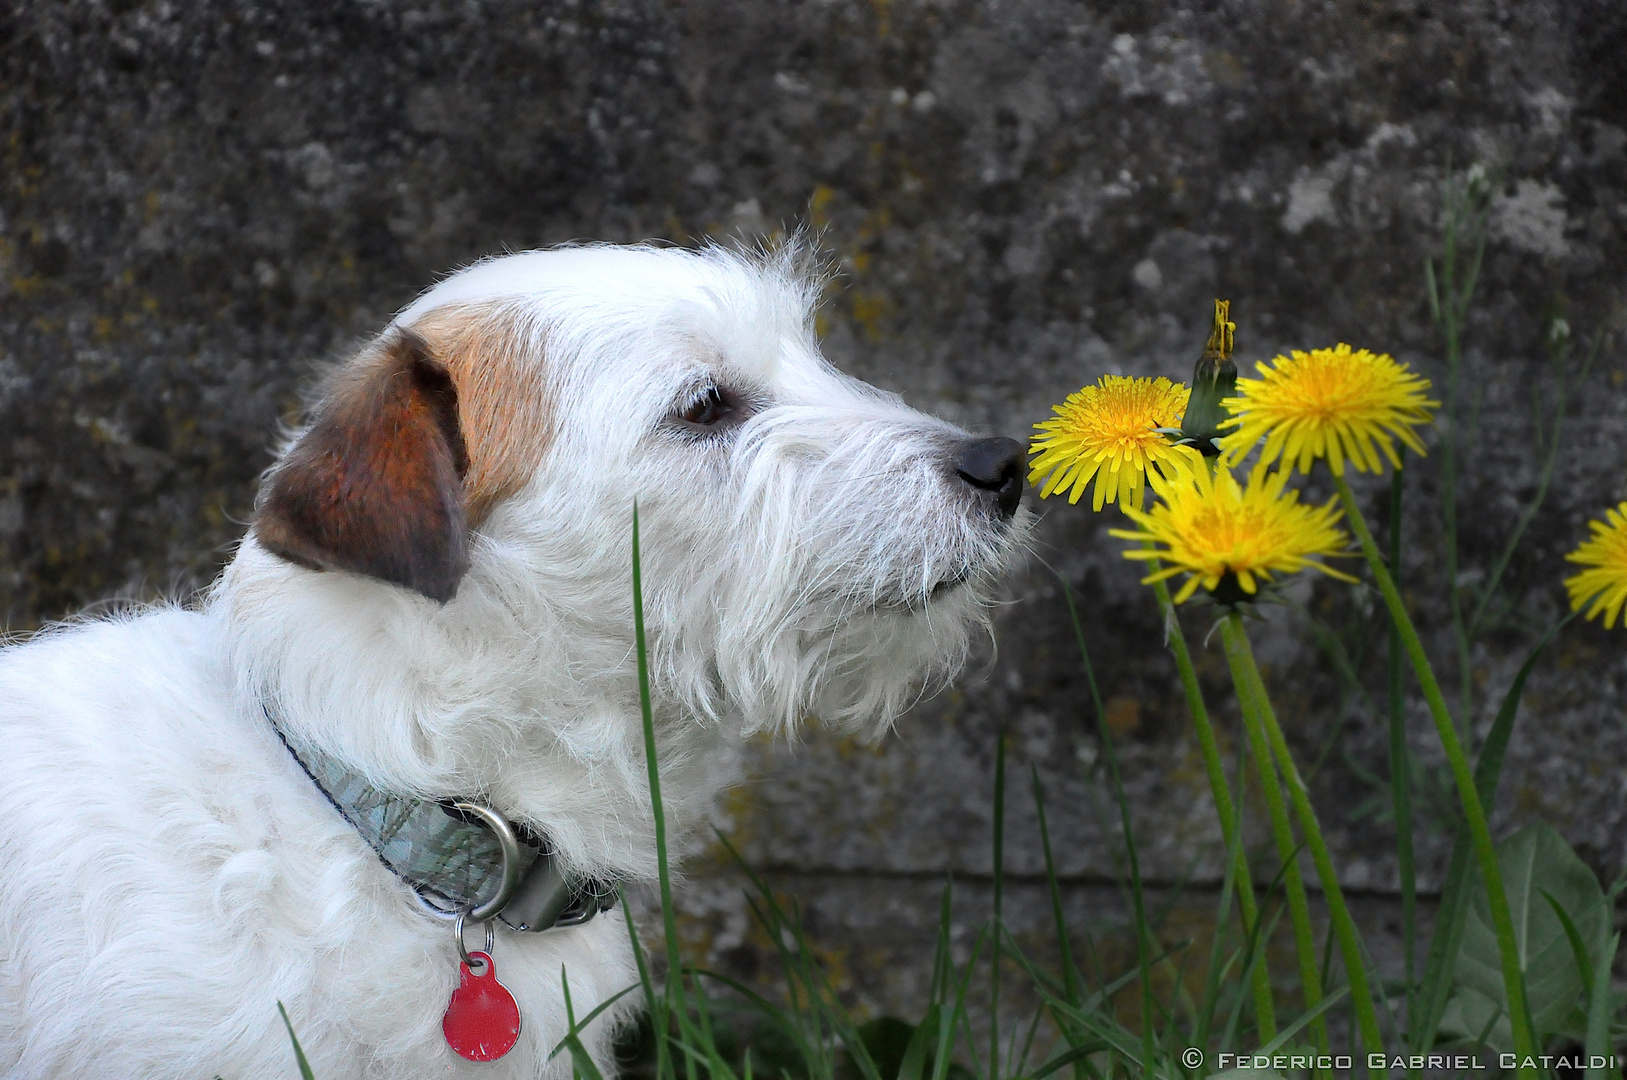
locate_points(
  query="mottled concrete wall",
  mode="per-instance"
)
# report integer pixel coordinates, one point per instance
(201, 199)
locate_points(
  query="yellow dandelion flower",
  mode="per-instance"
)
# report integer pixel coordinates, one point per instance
(1606, 554)
(1334, 403)
(1220, 532)
(1109, 431)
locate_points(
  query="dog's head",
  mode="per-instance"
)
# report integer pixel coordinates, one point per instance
(810, 545)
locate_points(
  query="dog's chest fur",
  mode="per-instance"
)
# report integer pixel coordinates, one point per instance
(171, 873)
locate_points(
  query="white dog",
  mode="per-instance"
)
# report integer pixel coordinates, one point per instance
(434, 602)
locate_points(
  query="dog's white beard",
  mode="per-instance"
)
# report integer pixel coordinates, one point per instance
(851, 579)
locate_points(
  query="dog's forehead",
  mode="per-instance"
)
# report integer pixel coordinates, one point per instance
(625, 330)
(662, 314)
(557, 274)
(608, 285)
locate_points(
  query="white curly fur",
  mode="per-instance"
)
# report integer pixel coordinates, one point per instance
(167, 873)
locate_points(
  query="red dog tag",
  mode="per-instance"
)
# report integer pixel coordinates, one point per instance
(482, 1022)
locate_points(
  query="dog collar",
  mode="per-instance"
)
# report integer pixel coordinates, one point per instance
(457, 855)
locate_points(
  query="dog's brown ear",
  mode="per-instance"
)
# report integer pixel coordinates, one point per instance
(375, 486)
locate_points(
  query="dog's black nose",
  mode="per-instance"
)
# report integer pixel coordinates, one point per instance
(994, 465)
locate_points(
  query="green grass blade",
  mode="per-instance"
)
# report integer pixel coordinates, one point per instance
(1070, 976)
(1071, 1056)
(577, 1026)
(582, 1065)
(784, 1020)
(1047, 985)
(1342, 924)
(651, 762)
(299, 1052)
(1435, 988)
(1584, 963)
(1260, 937)
(1599, 1007)
(999, 858)
(1235, 642)
(1256, 956)
(1220, 791)
(771, 915)
(1463, 777)
(920, 1045)
(1401, 766)
(1550, 459)
(1219, 962)
(654, 1004)
(957, 1012)
(1070, 972)
(1303, 1019)
(674, 990)
(1143, 930)
(1121, 1041)
(960, 1020)
(1488, 767)
(814, 1003)
(701, 1040)
(1019, 1058)
(1099, 998)
(942, 966)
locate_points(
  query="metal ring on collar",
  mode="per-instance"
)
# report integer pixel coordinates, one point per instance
(463, 949)
(511, 859)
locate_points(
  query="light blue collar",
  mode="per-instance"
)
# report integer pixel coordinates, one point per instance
(452, 859)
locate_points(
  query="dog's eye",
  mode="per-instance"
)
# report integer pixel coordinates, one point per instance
(708, 409)
(712, 409)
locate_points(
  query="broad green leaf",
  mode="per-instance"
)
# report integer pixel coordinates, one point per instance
(1534, 861)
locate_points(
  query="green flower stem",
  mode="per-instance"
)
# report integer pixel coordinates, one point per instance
(1246, 671)
(1299, 909)
(1401, 776)
(1473, 812)
(1264, 1008)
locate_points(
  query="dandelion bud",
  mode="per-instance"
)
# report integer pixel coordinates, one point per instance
(1476, 184)
(1213, 381)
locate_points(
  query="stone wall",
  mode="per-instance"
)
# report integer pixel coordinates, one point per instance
(201, 199)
